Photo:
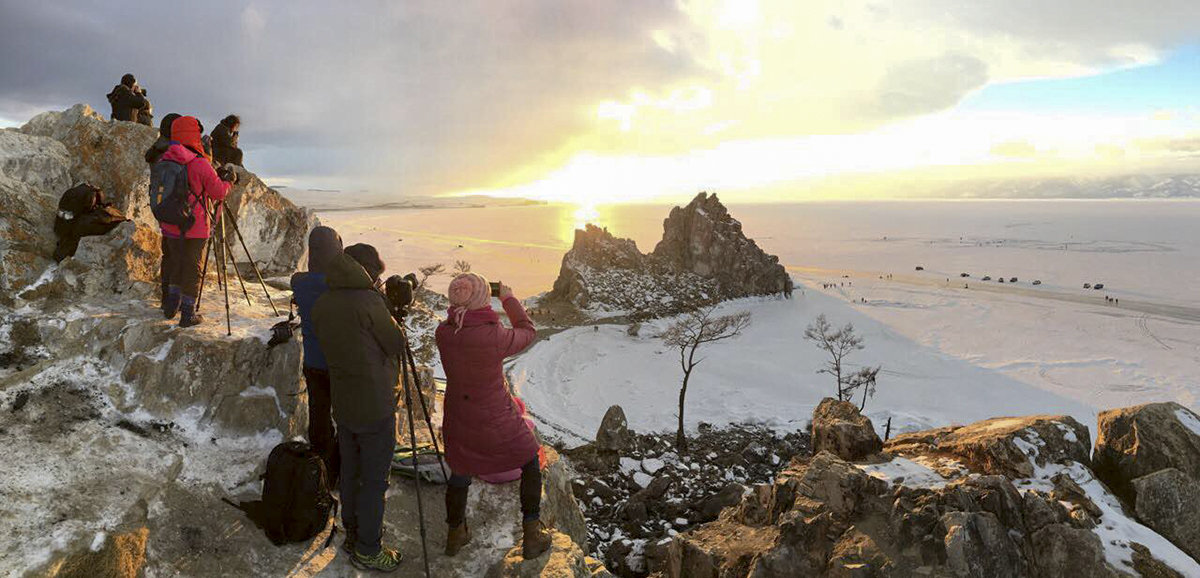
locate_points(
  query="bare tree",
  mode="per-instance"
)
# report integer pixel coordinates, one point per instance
(461, 266)
(431, 270)
(693, 330)
(839, 343)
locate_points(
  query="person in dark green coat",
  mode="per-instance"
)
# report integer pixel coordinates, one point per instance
(362, 345)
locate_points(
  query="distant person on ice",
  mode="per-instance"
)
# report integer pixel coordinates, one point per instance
(324, 245)
(127, 99)
(186, 248)
(483, 427)
(225, 141)
(362, 344)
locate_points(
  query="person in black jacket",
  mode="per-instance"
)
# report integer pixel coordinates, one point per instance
(127, 99)
(153, 153)
(225, 141)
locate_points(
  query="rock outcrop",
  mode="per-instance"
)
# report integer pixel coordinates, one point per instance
(31, 169)
(1004, 497)
(1168, 501)
(704, 257)
(705, 239)
(839, 428)
(613, 434)
(1136, 441)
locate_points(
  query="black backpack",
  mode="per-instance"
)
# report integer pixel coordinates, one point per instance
(169, 194)
(296, 503)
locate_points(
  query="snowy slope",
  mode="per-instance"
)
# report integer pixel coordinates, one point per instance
(766, 376)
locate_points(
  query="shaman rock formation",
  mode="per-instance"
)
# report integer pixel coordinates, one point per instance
(704, 257)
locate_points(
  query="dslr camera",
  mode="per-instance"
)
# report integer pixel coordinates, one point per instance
(401, 292)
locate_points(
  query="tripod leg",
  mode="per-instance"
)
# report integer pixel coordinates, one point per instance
(236, 272)
(410, 361)
(203, 274)
(412, 439)
(253, 264)
(228, 323)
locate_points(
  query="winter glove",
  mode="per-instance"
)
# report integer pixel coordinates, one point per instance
(228, 174)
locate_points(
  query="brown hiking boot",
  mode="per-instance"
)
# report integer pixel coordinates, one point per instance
(456, 538)
(536, 539)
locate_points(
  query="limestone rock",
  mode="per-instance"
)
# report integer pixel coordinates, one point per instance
(705, 239)
(235, 383)
(104, 153)
(1060, 550)
(40, 162)
(122, 264)
(1148, 566)
(1168, 501)
(1135, 441)
(1006, 445)
(978, 545)
(26, 236)
(564, 560)
(559, 508)
(614, 434)
(839, 428)
(275, 230)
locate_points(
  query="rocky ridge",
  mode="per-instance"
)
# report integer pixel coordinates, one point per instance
(704, 257)
(1004, 497)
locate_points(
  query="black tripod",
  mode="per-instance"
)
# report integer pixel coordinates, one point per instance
(408, 367)
(216, 218)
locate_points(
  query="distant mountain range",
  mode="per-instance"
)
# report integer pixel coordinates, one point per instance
(1135, 186)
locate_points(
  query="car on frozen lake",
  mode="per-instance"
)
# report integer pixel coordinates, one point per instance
(1098, 286)
(1037, 281)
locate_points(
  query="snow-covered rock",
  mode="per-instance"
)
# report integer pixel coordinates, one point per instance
(1136, 441)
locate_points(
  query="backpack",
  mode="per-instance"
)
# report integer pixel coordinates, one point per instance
(296, 503)
(169, 194)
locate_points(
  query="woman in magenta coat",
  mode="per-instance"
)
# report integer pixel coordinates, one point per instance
(483, 427)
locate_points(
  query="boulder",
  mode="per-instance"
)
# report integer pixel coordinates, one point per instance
(1060, 550)
(1168, 502)
(977, 544)
(564, 560)
(38, 161)
(839, 428)
(122, 264)
(275, 230)
(613, 434)
(105, 153)
(703, 238)
(26, 236)
(1132, 442)
(1011, 446)
(1148, 566)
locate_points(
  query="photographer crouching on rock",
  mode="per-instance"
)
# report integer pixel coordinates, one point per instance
(362, 346)
(484, 430)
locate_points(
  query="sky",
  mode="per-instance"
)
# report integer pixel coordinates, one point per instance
(595, 102)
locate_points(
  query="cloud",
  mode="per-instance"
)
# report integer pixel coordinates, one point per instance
(1015, 149)
(436, 97)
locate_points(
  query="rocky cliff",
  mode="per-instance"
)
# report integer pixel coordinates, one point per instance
(1005, 497)
(704, 257)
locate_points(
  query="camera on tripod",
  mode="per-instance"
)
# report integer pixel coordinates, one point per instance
(401, 292)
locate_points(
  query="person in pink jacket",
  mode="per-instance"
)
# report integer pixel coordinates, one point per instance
(185, 249)
(483, 426)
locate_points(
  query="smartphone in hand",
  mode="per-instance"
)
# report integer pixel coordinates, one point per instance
(495, 288)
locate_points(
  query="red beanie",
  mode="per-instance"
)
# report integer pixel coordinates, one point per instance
(187, 132)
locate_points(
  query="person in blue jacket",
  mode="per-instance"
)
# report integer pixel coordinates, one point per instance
(324, 245)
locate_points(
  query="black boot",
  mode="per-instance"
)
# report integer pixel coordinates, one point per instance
(170, 302)
(188, 316)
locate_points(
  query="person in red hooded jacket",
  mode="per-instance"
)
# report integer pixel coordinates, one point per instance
(484, 427)
(186, 248)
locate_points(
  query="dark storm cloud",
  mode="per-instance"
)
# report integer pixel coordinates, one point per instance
(416, 97)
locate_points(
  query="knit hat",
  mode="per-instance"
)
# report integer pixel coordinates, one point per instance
(128, 80)
(467, 292)
(368, 257)
(186, 130)
(323, 244)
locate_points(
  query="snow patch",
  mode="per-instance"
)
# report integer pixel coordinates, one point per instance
(1189, 420)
